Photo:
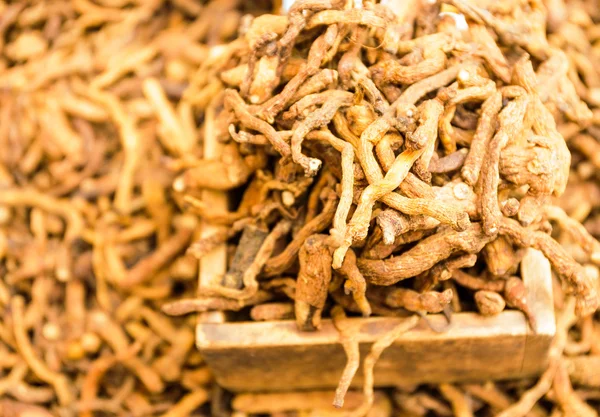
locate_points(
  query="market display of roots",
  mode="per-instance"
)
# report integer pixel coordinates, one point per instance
(392, 159)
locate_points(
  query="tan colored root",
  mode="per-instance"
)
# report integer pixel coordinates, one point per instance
(351, 348)
(58, 381)
(369, 363)
(355, 283)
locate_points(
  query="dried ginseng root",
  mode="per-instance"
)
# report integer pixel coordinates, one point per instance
(313, 282)
(371, 359)
(355, 283)
(350, 344)
(585, 289)
(515, 296)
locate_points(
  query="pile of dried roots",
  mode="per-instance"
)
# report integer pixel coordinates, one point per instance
(344, 158)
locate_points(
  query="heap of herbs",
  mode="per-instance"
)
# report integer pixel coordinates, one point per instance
(378, 161)
(373, 148)
(382, 154)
